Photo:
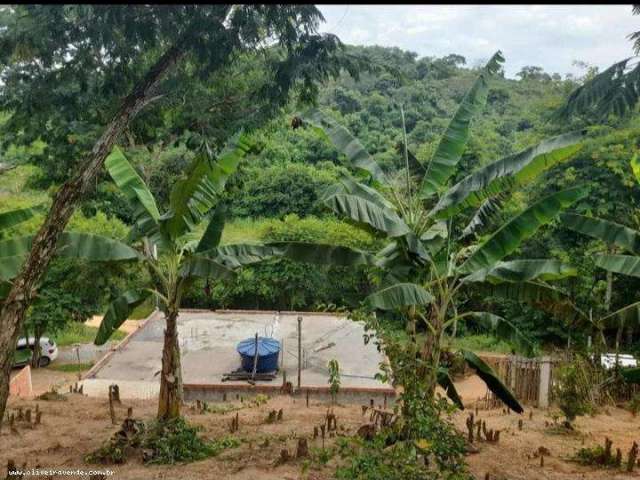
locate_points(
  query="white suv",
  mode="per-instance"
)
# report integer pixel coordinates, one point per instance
(48, 349)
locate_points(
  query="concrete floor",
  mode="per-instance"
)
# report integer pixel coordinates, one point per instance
(208, 344)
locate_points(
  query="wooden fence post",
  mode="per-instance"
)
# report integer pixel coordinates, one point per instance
(545, 382)
(514, 370)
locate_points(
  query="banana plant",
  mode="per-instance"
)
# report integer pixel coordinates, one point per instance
(622, 238)
(175, 251)
(432, 253)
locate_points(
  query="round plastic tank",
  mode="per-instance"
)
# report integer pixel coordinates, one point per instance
(268, 352)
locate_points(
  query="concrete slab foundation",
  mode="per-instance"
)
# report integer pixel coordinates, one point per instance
(208, 340)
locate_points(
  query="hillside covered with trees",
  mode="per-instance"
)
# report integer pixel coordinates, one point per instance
(274, 196)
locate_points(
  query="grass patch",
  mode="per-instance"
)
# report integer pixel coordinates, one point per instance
(143, 310)
(245, 230)
(482, 343)
(76, 332)
(71, 367)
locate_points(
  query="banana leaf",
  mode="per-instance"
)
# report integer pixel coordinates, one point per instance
(624, 264)
(194, 195)
(494, 384)
(347, 144)
(239, 255)
(500, 176)
(398, 296)
(118, 311)
(213, 233)
(145, 210)
(488, 214)
(523, 271)
(350, 187)
(509, 237)
(609, 232)
(96, 248)
(204, 267)
(364, 211)
(454, 139)
(445, 381)
(15, 217)
(320, 254)
(615, 90)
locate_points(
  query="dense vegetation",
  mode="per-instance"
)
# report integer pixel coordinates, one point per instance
(444, 197)
(274, 196)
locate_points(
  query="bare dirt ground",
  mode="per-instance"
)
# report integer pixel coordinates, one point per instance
(73, 428)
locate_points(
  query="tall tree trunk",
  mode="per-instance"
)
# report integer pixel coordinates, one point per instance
(170, 399)
(64, 204)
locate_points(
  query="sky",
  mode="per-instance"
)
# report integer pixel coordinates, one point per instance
(549, 36)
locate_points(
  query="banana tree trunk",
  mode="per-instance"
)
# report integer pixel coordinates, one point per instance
(431, 352)
(170, 399)
(13, 309)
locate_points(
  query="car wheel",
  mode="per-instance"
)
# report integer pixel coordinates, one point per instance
(44, 361)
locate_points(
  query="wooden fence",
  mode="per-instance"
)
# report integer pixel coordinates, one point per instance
(530, 379)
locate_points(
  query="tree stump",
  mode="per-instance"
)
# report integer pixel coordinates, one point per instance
(633, 455)
(303, 448)
(367, 431)
(284, 457)
(112, 411)
(115, 393)
(470, 424)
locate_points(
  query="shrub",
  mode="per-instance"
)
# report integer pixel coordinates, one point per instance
(160, 442)
(574, 388)
(432, 450)
(176, 441)
(282, 188)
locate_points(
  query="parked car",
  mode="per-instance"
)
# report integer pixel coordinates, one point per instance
(48, 351)
(22, 357)
(608, 360)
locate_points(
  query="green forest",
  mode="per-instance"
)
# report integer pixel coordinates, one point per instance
(231, 157)
(275, 194)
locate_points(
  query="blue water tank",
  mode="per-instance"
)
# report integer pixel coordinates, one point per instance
(268, 351)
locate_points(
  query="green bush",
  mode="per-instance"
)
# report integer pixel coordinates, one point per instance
(176, 441)
(427, 449)
(281, 189)
(161, 442)
(573, 388)
(283, 284)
